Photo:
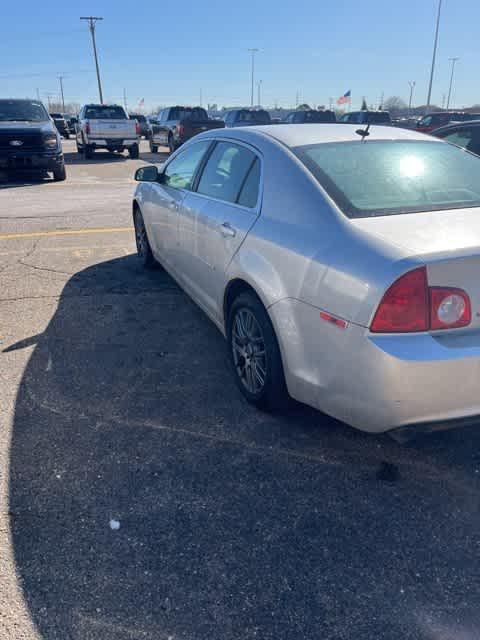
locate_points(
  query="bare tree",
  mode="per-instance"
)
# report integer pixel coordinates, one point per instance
(394, 104)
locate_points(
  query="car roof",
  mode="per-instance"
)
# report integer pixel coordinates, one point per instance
(297, 135)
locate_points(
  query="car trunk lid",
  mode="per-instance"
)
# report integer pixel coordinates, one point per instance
(447, 242)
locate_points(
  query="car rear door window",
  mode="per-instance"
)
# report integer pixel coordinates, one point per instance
(225, 171)
(249, 192)
(460, 137)
(180, 172)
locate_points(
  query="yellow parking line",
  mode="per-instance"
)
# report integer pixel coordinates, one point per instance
(68, 232)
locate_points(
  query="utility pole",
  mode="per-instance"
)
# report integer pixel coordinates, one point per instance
(330, 104)
(411, 84)
(453, 61)
(61, 92)
(297, 98)
(253, 52)
(92, 20)
(435, 43)
(380, 108)
(444, 95)
(259, 88)
(38, 94)
(125, 100)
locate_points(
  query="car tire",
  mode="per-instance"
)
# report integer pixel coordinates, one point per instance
(66, 136)
(266, 371)
(153, 147)
(144, 250)
(60, 174)
(134, 152)
(88, 152)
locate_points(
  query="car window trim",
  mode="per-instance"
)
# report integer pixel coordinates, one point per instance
(258, 155)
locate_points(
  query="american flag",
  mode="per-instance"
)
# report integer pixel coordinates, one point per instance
(142, 102)
(345, 98)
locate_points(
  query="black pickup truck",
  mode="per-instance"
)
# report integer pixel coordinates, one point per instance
(29, 141)
(175, 125)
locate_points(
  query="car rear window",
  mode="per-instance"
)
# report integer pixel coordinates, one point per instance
(319, 116)
(139, 118)
(196, 114)
(378, 117)
(259, 117)
(385, 177)
(105, 113)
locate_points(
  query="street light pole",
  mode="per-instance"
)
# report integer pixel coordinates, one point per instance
(253, 52)
(259, 88)
(92, 20)
(432, 70)
(453, 61)
(412, 84)
(61, 91)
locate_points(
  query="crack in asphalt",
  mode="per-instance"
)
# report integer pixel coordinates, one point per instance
(91, 295)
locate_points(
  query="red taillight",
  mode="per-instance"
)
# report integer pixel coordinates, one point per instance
(180, 129)
(404, 307)
(138, 128)
(411, 305)
(87, 128)
(449, 308)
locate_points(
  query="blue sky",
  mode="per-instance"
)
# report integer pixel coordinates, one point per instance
(166, 52)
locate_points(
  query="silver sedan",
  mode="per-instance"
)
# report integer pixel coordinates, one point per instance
(342, 265)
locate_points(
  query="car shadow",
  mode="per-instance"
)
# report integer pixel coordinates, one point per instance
(12, 181)
(148, 500)
(105, 157)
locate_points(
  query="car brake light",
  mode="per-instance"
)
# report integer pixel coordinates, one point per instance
(410, 305)
(87, 128)
(180, 129)
(404, 307)
(138, 129)
(449, 308)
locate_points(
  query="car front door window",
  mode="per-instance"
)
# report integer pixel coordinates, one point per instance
(180, 172)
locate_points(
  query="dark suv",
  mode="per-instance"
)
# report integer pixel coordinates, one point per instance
(366, 117)
(246, 117)
(310, 117)
(29, 141)
(142, 122)
(61, 124)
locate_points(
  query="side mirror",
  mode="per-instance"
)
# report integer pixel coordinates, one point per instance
(148, 174)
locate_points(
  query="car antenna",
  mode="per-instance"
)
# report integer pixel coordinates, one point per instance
(364, 133)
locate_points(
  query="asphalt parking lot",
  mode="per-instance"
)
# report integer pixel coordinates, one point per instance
(142, 498)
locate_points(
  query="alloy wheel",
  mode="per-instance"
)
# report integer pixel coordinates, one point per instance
(249, 352)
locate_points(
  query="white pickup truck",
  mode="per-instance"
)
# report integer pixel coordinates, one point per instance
(102, 126)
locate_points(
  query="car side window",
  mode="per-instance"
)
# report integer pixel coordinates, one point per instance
(180, 172)
(460, 137)
(224, 174)
(249, 192)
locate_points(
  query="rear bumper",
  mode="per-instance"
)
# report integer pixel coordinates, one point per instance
(378, 382)
(112, 143)
(30, 161)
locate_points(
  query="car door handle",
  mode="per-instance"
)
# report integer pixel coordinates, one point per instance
(227, 230)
